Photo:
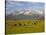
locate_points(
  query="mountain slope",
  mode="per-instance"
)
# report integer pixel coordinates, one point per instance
(26, 14)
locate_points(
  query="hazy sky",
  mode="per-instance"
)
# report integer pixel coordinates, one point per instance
(12, 6)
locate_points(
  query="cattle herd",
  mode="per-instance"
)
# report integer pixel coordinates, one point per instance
(20, 24)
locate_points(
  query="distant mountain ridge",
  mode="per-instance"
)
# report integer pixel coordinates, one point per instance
(26, 14)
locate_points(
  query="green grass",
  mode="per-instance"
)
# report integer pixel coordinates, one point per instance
(29, 26)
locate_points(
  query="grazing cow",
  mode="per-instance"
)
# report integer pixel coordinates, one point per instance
(15, 24)
(34, 23)
(19, 24)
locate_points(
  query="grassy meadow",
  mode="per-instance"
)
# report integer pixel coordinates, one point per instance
(24, 26)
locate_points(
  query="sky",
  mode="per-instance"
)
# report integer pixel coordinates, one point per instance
(12, 6)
